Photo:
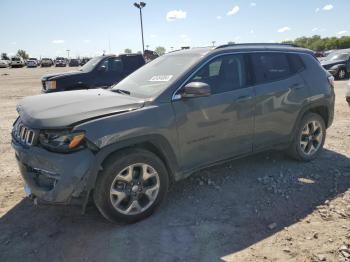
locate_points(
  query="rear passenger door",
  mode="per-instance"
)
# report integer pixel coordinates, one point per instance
(280, 93)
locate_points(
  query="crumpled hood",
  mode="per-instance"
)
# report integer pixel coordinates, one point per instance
(57, 76)
(59, 110)
(328, 63)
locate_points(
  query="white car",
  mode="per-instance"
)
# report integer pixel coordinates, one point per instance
(32, 62)
(348, 93)
(17, 61)
(4, 63)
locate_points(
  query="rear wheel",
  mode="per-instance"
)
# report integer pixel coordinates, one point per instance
(309, 138)
(131, 186)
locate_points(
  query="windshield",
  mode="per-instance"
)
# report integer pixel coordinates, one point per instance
(91, 64)
(337, 56)
(156, 76)
(15, 59)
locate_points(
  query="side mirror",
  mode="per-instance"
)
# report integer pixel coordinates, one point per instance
(196, 89)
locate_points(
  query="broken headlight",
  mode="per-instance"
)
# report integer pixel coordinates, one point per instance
(62, 141)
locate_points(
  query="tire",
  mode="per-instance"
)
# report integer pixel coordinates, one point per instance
(302, 142)
(342, 74)
(120, 206)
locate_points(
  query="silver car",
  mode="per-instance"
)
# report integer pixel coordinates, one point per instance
(4, 63)
(348, 93)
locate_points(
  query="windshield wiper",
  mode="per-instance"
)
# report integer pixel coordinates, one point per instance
(121, 91)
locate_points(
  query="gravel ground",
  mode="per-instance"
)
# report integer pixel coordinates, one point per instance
(273, 210)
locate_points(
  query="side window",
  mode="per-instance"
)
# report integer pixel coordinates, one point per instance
(224, 74)
(112, 65)
(269, 67)
(296, 63)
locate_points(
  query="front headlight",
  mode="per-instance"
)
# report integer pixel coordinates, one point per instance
(50, 85)
(62, 141)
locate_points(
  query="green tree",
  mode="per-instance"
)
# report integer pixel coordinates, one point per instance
(160, 50)
(4, 56)
(22, 54)
(127, 51)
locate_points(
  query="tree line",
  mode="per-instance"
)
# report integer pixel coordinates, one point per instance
(317, 43)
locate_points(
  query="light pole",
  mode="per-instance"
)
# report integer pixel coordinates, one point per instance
(140, 6)
(213, 42)
(68, 53)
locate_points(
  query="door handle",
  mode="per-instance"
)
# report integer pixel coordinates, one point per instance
(243, 98)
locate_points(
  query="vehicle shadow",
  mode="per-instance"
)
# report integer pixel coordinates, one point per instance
(215, 213)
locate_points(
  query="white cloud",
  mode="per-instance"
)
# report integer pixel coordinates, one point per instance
(175, 15)
(183, 36)
(13, 43)
(252, 31)
(283, 29)
(233, 11)
(152, 35)
(342, 32)
(327, 7)
(219, 17)
(317, 10)
(253, 4)
(315, 29)
(57, 41)
(87, 41)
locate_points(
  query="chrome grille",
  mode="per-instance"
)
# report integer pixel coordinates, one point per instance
(23, 134)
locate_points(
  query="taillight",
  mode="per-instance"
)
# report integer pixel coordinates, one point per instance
(331, 80)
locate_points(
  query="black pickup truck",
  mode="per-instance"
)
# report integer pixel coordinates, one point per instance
(99, 72)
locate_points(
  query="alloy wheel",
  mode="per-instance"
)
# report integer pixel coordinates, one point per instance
(311, 138)
(134, 189)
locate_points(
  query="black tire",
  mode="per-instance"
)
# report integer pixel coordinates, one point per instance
(111, 168)
(295, 150)
(342, 74)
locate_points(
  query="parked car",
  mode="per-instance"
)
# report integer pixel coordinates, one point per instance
(4, 63)
(17, 61)
(182, 112)
(60, 61)
(99, 72)
(338, 64)
(46, 62)
(348, 93)
(74, 62)
(150, 55)
(32, 62)
(84, 61)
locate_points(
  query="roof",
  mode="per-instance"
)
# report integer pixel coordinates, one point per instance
(250, 47)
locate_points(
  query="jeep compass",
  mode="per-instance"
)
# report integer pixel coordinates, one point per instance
(182, 112)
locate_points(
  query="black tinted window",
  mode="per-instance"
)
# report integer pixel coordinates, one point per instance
(269, 67)
(226, 73)
(296, 62)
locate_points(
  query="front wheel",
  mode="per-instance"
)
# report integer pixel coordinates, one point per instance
(342, 74)
(309, 138)
(131, 186)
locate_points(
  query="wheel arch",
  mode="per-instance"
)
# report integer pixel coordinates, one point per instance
(156, 144)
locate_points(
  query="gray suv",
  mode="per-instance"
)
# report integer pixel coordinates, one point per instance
(182, 112)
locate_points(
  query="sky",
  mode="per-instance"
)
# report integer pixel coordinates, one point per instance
(87, 27)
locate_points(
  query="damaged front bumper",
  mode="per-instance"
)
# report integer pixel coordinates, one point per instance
(53, 177)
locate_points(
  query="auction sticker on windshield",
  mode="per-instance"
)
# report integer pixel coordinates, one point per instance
(163, 78)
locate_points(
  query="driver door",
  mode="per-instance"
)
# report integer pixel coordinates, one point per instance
(109, 72)
(220, 125)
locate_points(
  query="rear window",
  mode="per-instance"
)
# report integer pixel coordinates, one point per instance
(270, 67)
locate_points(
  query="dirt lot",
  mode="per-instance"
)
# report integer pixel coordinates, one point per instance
(262, 208)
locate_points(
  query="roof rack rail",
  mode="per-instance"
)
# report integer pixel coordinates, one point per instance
(253, 44)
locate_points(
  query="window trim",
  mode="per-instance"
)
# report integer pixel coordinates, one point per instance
(177, 96)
